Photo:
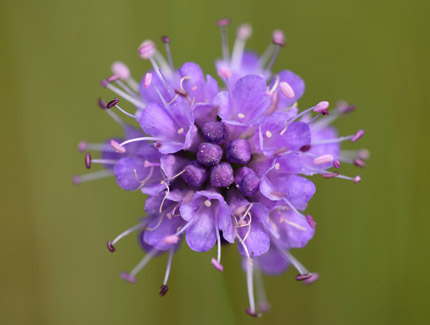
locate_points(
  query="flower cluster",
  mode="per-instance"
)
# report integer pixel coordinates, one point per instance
(221, 165)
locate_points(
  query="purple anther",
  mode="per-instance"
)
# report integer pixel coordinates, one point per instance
(181, 92)
(238, 151)
(163, 290)
(147, 80)
(215, 132)
(324, 159)
(76, 180)
(244, 31)
(147, 49)
(102, 104)
(363, 154)
(165, 39)
(305, 148)
(194, 174)
(82, 146)
(225, 72)
(112, 103)
(330, 175)
(264, 306)
(223, 22)
(104, 83)
(110, 247)
(121, 70)
(336, 163)
(127, 277)
(287, 90)
(347, 109)
(172, 239)
(302, 277)
(322, 107)
(222, 175)
(217, 265)
(311, 279)
(357, 179)
(209, 154)
(88, 160)
(357, 136)
(310, 221)
(117, 147)
(112, 78)
(249, 184)
(278, 37)
(253, 314)
(359, 163)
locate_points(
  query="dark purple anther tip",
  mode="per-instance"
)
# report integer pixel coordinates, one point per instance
(222, 175)
(165, 39)
(238, 151)
(88, 160)
(305, 148)
(163, 290)
(310, 221)
(209, 154)
(102, 104)
(112, 103)
(194, 174)
(311, 279)
(359, 163)
(127, 277)
(181, 92)
(253, 314)
(110, 247)
(336, 163)
(330, 175)
(249, 184)
(302, 277)
(223, 22)
(215, 132)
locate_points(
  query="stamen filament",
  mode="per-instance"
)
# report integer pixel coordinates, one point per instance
(169, 265)
(126, 96)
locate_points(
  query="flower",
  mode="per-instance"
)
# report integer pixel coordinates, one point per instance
(221, 164)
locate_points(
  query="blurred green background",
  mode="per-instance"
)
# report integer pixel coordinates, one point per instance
(371, 247)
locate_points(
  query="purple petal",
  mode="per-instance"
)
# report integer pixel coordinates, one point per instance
(156, 233)
(257, 242)
(272, 263)
(294, 230)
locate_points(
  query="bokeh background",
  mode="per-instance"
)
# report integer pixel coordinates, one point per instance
(372, 243)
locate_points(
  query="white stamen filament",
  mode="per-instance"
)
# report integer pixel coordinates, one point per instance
(250, 285)
(341, 139)
(142, 263)
(169, 265)
(93, 176)
(127, 232)
(104, 161)
(126, 96)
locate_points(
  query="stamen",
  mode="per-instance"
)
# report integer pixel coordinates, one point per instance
(243, 33)
(110, 244)
(250, 285)
(91, 176)
(208, 203)
(117, 147)
(147, 49)
(324, 159)
(88, 160)
(104, 161)
(273, 104)
(241, 115)
(224, 72)
(114, 103)
(341, 139)
(279, 40)
(102, 104)
(131, 277)
(359, 163)
(336, 163)
(223, 23)
(164, 287)
(166, 41)
(148, 80)
(263, 304)
(124, 95)
(121, 70)
(172, 239)
(330, 175)
(357, 136)
(122, 144)
(217, 265)
(287, 90)
(322, 107)
(165, 197)
(310, 221)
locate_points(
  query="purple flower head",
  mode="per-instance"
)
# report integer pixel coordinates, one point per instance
(221, 165)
